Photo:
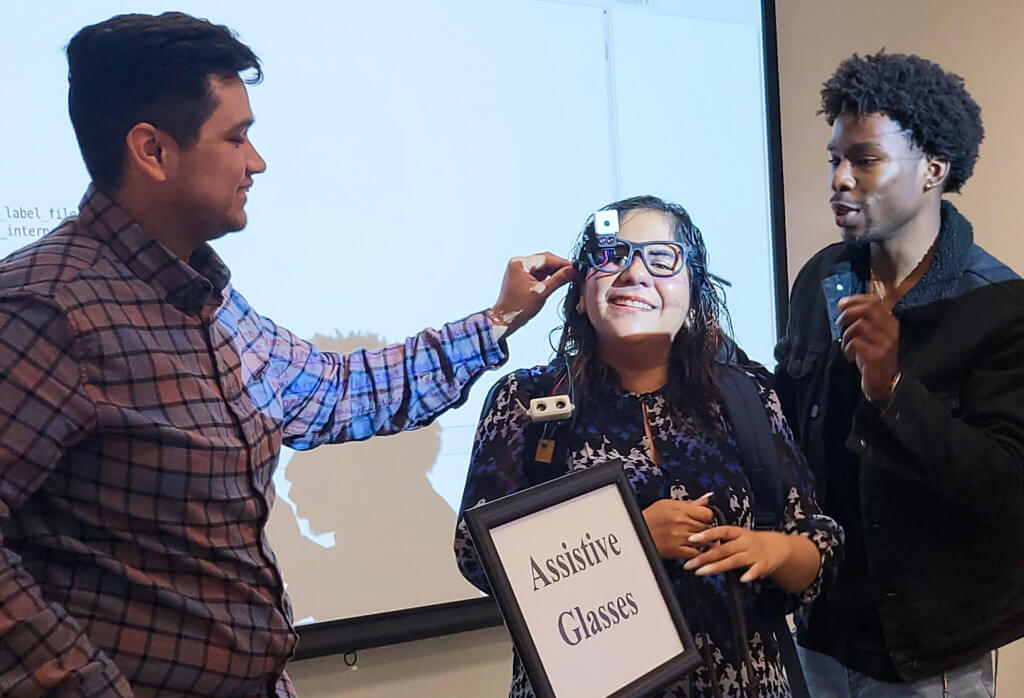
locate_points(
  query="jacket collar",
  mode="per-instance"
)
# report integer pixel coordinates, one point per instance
(941, 280)
(188, 287)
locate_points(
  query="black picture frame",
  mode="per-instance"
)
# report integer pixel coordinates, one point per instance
(364, 632)
(485, 517)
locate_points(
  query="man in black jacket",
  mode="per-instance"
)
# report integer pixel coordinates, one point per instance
(902, 374)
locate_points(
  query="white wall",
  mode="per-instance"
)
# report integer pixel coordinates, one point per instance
(979, 40)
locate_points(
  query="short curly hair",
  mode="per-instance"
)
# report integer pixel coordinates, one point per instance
(932, 104)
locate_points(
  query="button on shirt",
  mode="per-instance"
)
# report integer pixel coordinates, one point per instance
(143, 404)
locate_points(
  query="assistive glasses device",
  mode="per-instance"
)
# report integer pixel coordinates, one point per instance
(660, 258)
(605, 252)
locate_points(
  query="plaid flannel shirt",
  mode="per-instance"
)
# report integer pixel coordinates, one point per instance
(143, 405)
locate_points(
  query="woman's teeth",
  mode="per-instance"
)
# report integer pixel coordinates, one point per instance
(630, 303)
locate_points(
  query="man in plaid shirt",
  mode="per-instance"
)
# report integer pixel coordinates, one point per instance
(143, 402)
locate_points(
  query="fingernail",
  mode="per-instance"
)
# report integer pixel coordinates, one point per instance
(702, 572)
(746, 580)
(690, 564)
(706, 495)
(695, 538)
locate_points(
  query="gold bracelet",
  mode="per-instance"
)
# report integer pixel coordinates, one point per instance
(495, 317)
(881, 404)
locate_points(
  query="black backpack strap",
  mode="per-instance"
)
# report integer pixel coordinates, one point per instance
(790, 659)
(753, 434)
(760, 460)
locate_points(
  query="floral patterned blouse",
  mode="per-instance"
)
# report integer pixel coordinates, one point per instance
(691, 461)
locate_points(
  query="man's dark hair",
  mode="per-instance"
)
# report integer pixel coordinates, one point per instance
(142, 68)
(932, 104)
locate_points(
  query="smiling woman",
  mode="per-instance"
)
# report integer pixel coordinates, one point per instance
(633, 301)
(640, 355)
(629, 320)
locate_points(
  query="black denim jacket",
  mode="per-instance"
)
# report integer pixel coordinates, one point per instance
(941, 473)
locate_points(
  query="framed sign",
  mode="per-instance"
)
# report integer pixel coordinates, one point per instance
(582, 588)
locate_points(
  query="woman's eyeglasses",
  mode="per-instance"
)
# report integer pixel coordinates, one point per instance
(660, 258)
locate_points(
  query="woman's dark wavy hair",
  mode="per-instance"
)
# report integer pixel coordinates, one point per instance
(932, 104)
(692, 389)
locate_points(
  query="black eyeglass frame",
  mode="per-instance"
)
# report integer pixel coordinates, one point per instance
(592, 254)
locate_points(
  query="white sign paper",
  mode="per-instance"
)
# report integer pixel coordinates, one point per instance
(587, 594)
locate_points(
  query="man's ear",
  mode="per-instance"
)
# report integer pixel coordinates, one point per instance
(148, 152)
(936, 173)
